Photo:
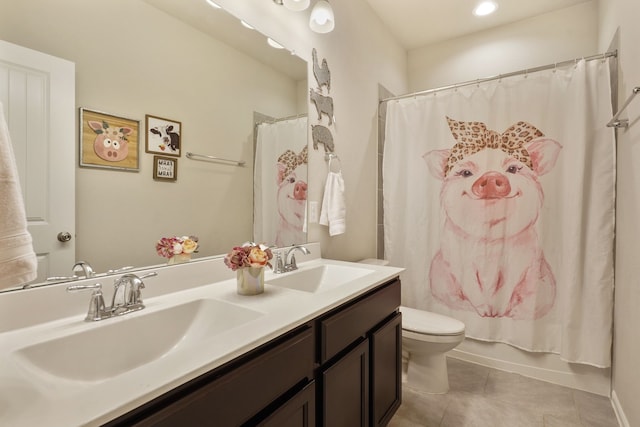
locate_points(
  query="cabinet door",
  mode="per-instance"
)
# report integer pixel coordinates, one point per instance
(345, 390)
(386, 371)
(299, 411)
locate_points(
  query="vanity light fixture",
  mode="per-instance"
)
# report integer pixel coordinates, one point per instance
(244, 24)
(485, 8)
(322, 19)
(296, 5)
(214, 4)
(274, 44)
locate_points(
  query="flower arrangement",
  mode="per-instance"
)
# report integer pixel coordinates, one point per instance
(248, 255)
(170, 246)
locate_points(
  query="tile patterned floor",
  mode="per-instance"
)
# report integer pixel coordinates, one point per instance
(485, 397)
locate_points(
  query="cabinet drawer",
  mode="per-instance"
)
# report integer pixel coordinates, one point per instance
(238, 395)
(339, 330)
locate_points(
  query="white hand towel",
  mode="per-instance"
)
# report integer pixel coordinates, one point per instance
(18, 264)
(333, 212)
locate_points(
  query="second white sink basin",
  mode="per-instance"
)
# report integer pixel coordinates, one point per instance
(114, 346)
(318, 278)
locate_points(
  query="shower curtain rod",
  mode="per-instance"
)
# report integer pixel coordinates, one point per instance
(282, 119)
(501, 76)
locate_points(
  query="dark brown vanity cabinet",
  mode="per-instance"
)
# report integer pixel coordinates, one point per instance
(360, 352)
(341, 369)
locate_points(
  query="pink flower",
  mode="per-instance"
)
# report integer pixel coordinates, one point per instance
(249, 255)
(170, 246)
(164, 247)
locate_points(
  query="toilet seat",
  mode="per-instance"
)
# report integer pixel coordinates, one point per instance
(428, 323)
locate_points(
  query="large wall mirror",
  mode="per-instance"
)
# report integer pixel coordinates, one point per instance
(235, 96)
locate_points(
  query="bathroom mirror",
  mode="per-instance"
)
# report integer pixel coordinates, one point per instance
(184, 61)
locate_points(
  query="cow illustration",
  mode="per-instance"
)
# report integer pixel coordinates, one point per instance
(166, 138)
(111, 143)
(490, 260)
(291, 198)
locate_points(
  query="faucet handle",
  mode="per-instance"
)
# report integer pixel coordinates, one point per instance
(120, 270)
(97, 308)
(134, 297)
(279, 264)
(292, 264)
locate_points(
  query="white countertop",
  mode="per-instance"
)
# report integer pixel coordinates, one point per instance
(32, 397)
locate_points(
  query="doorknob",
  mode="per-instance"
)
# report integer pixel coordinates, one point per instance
(64, 236)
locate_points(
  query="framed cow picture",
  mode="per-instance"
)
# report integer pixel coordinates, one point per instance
(108, 141)
(164, 136)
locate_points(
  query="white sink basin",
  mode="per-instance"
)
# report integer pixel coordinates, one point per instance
(113, 346)
(318, 278)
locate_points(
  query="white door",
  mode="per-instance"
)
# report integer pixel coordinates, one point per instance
(38, 94)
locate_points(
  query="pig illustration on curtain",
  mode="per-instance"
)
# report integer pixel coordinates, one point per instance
(490, 260)
(291, 197)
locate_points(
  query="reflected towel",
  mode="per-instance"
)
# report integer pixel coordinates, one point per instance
(333, 212)
(18, 262)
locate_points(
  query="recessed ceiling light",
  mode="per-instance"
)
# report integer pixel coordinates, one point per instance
(485, 8)
(214, 4)
(244, 24)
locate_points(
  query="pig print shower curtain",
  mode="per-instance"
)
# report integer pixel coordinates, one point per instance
(499, 202)
(280, 182)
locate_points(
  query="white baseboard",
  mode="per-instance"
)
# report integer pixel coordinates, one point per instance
(617, 408)
(578, 377)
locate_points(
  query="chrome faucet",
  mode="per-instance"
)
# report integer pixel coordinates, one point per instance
(291, 264)
(80, 265)
(127, 297)
(85, 267)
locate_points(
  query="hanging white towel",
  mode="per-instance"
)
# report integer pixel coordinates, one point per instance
(333, 212)
(18, 262)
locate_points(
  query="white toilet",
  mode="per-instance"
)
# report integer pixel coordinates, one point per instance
(426, 337)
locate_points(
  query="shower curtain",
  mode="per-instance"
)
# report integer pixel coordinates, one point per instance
(280, 188)
(499, 202)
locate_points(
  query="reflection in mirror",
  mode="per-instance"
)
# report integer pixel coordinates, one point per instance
(280, 189)
(187, 62)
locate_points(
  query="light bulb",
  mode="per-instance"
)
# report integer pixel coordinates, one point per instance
(322, 19)
(274, 43)
(214, 4)
(485, 8)
(296, 5)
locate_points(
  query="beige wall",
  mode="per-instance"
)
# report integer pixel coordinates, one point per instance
(552, 37)
(622, 16)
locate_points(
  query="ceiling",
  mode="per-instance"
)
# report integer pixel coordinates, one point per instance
(416, 23)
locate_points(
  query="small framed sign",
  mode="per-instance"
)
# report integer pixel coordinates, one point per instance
(165, 168)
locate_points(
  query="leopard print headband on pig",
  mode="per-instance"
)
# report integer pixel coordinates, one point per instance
(472, 137)
(291, 160)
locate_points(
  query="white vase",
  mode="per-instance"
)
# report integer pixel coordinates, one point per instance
(250, 280)
(179, 259)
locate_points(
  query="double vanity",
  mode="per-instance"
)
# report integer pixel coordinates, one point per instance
(321, 346)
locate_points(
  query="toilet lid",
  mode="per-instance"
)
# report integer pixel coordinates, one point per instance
(425, 322)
